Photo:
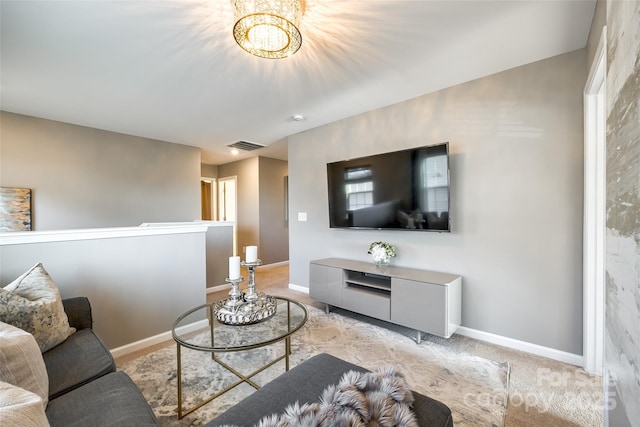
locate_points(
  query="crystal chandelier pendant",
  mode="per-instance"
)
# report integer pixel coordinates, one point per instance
(268, 28)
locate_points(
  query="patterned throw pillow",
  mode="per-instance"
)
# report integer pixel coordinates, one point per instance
(32, 302)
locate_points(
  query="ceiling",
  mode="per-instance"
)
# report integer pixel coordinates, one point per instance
(171, 70)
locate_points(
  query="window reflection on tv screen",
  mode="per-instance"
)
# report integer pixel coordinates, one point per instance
(405, 190)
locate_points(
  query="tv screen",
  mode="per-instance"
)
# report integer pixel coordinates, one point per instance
(401, 190)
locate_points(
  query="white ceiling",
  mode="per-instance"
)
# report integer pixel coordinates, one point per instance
(170, 70)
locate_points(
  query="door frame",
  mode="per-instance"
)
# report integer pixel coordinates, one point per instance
(594, 211)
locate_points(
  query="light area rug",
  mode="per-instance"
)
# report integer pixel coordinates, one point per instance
(476, 389)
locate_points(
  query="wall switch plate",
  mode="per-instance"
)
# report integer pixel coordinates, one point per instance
(302, 216)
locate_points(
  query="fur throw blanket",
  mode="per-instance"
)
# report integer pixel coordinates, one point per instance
(373, 399)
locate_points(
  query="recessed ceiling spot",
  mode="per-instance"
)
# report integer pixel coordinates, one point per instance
(297, 117)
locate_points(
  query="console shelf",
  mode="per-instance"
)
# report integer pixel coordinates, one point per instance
(426, 301)
(368, 280)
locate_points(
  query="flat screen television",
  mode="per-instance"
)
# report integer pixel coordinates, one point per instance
(400, 190)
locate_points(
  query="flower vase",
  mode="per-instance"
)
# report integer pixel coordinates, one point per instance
(381, 261)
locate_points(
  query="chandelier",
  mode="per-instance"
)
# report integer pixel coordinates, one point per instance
(268, 28)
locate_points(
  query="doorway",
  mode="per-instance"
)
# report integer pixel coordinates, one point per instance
(227, 203)
(208, 198)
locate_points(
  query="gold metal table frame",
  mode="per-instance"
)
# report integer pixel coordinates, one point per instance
(183, 340)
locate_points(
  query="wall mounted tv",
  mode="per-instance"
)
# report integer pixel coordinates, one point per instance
(400, 190)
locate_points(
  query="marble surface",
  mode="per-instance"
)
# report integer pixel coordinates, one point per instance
(623, 203)
(476, 389)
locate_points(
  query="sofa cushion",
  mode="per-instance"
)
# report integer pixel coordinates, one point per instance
(82, 358)
(78, 310)
(112, 400)
(21, 363)
(32, 302)
(20, 407)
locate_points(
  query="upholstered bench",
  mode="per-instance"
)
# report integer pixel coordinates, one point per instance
(305, 383)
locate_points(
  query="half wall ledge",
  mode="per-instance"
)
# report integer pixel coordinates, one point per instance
(24, 237)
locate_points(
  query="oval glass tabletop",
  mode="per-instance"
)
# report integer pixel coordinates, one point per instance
(199, 329)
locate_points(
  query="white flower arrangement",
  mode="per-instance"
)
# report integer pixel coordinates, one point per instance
(382, 252)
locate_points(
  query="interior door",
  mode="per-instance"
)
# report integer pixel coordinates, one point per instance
(208, 198)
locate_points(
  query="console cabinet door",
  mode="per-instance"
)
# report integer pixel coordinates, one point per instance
(419, 305)
(326, 283)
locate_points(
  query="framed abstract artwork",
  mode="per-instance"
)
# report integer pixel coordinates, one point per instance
(15, 209)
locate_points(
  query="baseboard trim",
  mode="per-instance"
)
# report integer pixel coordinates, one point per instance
(275, 264)
(156, 339)
(213, 289)
(551, 353)
(298, 288)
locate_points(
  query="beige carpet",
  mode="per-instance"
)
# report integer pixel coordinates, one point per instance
(536, 395)
(476, 389)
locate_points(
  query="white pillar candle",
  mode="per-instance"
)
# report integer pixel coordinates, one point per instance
(252, 253)
(234, 267)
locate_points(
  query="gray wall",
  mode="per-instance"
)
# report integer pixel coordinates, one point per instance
(274, 228)
(137, 286)
(84, 178)
(209, 171)
(260, 182)
(599, 21)
(219, 249)
(516, 142)
(622, 348)
(248, 207)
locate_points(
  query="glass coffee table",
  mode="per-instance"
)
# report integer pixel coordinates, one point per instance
(198, 329)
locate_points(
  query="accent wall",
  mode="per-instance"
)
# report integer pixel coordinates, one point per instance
(516, 158)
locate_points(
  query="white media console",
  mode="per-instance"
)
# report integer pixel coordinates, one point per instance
(426, 301)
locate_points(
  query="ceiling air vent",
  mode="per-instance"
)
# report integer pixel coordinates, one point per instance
(245, 145)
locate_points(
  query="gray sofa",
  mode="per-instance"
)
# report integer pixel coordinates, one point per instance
(305, 383)
(84, 387)
(86, 391)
